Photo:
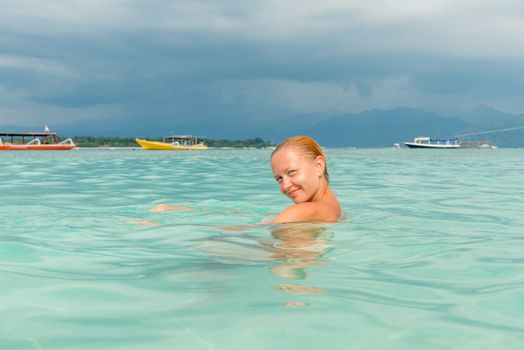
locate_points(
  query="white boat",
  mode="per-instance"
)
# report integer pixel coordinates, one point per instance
(426, 142)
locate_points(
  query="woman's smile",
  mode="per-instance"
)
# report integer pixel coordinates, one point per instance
(292, 193)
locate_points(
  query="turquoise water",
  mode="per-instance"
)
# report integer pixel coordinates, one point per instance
(430, 255)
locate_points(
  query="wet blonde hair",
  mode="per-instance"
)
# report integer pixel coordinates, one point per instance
(306, 146)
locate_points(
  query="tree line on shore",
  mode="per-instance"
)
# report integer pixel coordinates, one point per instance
(105, 141)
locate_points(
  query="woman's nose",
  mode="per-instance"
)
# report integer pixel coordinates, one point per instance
(285, 183)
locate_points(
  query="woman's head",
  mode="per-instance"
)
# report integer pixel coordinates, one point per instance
(306, 146)
(299, 166)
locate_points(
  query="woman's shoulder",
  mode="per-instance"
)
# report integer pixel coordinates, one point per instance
(309, 211)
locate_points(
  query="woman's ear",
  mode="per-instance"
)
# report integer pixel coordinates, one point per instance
(320, 163)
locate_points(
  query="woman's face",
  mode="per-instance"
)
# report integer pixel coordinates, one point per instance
(299, 177)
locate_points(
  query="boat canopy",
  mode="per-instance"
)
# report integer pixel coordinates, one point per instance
(428, 140)
(45, 136)
(20, 134)
(183, 139)
(453, 139)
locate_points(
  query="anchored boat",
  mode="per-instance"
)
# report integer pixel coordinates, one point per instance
(174, 143)
(450, 143)
(34, 141)
(426, 142)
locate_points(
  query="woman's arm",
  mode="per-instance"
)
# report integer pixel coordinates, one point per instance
(166, 207)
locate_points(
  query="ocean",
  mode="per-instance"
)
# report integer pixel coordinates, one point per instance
(429, 255)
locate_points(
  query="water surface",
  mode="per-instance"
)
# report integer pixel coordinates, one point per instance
(429, 256)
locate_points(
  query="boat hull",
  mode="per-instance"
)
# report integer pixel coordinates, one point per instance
(164, 146)
(52, 147)
(429, 146)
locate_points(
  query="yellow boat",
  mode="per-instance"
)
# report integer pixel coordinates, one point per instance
(173, 143)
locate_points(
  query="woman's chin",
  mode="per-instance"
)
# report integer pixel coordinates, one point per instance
(297, 200)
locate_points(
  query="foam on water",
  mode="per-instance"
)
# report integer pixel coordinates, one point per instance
(429, 255)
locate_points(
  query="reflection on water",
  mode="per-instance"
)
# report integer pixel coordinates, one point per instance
(291, 251)
(298, 248)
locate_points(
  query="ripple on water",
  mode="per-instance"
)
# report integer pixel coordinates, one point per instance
(421, 262)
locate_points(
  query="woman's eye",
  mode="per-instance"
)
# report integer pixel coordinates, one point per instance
(279, 179)
(291, 172)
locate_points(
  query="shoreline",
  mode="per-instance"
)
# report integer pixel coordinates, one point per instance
(138, 148)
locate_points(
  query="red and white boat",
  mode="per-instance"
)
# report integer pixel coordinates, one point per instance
(34, 141)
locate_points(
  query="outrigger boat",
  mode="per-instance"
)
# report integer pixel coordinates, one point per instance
(37, 141)
(174, 143)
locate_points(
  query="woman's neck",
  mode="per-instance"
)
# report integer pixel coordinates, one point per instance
(323, 188)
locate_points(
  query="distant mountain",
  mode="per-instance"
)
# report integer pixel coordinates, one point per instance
(508, 134)
(298, 124)
(485, 116)
(383, 128)
(371, 128)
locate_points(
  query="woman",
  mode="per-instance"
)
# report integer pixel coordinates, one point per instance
(299, 166)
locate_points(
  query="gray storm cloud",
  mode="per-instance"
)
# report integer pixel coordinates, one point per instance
(81, 60)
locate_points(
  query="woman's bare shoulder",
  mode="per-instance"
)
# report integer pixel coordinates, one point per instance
(309, 211)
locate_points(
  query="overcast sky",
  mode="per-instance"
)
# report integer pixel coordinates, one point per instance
(85, 59)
